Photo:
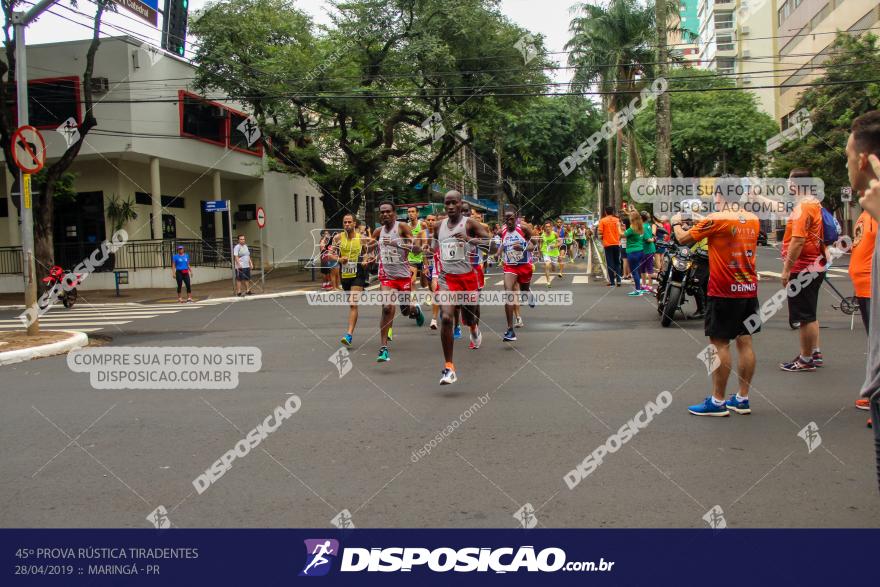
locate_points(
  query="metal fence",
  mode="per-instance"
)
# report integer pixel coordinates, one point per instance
(134, 255)
(10, 260)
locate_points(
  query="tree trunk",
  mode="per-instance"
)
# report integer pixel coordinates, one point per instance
(664, 116)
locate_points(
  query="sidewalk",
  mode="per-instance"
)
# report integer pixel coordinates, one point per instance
(279, 280)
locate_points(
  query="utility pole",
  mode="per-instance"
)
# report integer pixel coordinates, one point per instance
(20, 21)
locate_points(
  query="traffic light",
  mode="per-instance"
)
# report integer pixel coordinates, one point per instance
(174, 27)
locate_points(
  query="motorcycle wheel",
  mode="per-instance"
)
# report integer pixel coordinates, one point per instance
(673, 300)
(70, 299)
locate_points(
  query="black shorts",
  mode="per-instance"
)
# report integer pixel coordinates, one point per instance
(360, 280)
(419, 268)
(802, 307)
(726, 317)
(243, 274)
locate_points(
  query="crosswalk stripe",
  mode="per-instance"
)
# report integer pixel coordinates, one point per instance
(93, 317)
(5, 324)
(580, 279)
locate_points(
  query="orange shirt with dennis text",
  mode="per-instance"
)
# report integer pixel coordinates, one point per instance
(609, 226)
(733, 246)
(862, 256)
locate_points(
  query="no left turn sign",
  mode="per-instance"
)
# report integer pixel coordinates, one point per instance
(28, 149)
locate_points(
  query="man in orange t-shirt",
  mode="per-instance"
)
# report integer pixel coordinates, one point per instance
(803, 250)
(861, 258)
(732, 302)
(609, 230)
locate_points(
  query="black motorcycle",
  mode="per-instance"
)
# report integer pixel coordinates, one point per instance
(683, 274)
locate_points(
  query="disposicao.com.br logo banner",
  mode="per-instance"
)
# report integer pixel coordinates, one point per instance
(322, 552)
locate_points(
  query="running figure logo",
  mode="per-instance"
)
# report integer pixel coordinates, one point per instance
(709, 356)
(810, 434)
(342, 360)
(526, 516)
(318, 553)
(715, 518)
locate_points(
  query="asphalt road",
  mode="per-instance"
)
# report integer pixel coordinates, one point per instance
(74, 456)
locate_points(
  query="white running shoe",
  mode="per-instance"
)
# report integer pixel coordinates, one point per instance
(448, 377)
(476, 340)
(433, 325)
(519, 322)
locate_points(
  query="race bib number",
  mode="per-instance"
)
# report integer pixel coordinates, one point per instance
(452, 251)
(512, 256)
(390, 255)
(349, 269)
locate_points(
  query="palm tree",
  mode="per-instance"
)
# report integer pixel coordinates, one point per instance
(612, 47)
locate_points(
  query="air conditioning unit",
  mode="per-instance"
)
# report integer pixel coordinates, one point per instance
(746, 53)
(100, 85)
(746, 81)
(744, 30)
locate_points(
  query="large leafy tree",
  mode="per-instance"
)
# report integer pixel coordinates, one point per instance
(832, 107)
(612, 49)
(716, 128)
(55, 179)
(534, 139)
(347, 106)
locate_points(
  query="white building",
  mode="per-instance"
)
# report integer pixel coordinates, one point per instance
(161, 146)
(737, 40)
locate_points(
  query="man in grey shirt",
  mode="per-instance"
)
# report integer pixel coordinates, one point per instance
(863, 166)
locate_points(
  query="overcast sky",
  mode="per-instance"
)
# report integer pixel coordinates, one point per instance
(547, 17)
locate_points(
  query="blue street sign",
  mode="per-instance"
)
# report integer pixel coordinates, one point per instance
(215, 206)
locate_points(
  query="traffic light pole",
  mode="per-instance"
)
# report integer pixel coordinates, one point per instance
(20, 21)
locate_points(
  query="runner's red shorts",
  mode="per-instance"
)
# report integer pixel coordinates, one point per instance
(402, 284)
(481, 276)
(523, 272)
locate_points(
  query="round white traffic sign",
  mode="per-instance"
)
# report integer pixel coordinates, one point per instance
(28, 149)
(261, 217)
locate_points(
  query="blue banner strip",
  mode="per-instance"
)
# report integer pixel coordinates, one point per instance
(435, 557)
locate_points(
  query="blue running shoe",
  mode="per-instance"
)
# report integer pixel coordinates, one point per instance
(708, 408)
(510, 335)
(456, 334)
(383, 355)
(740, 407)
(346, 340)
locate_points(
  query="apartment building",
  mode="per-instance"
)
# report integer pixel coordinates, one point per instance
(806, 30)
(736, 39)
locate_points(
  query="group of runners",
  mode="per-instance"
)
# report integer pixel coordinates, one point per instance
(445, 253)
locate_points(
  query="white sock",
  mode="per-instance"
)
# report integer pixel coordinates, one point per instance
(806, 359)
(717, 402)
(740, 398)
(816, 350)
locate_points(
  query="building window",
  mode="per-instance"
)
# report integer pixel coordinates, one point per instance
(296, 207)
(308, 210)
(203, 120)
(314, 210)
(239, 140)
(726, 65)
(784, 12)
(4, 207)
(167, 201)
(51, 101)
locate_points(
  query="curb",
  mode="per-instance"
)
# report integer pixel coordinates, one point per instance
(76, 340)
